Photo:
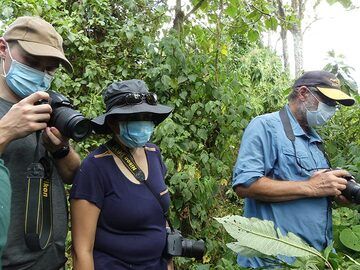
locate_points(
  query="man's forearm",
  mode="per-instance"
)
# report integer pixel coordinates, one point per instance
(68, 166)
(5, 137)
(270, 190)
(322, 183)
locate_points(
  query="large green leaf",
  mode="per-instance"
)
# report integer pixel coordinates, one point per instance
(260, 235)
(350, 237)
(244, 251)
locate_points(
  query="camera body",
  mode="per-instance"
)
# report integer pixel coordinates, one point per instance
(69, 122)
(352, 190)
(177, 245)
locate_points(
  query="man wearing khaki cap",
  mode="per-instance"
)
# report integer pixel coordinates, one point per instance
(31, 51)
(282, 170)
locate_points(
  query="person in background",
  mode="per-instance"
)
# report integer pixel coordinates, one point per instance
(281, 169)
(119, 197)
(30, 52)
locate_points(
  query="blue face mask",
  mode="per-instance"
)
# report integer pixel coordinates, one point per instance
(323, 113)
(24, 80)
(135, 133)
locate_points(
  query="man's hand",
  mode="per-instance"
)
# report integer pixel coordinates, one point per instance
(68, 165)
(341, 200)
(24, 118)
(53, 140)
(325, 183)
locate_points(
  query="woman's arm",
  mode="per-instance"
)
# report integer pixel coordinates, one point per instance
(170, 265)
(84, 217)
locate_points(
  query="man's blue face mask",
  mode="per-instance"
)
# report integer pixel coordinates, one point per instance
(135, 133)
(24, 80)
(320, 116)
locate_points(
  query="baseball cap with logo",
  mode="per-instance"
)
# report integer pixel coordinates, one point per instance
(37, 37)
(327, 84)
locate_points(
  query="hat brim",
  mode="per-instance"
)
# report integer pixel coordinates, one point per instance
(143, 111)
(39, 49)
(337, 95)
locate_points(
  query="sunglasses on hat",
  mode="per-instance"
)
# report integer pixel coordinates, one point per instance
(137, 98)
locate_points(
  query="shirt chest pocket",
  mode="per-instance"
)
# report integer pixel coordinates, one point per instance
(296, 163)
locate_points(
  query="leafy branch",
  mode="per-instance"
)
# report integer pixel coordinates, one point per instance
(258, 238)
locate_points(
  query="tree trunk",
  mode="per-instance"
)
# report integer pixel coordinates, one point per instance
(283, 35)
(296, 30)
(285, 49)
(179, 17)
(298, 50)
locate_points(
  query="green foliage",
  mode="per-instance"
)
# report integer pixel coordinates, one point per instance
(350, 237)
(259, 238)
(338, 67)
(217, 77)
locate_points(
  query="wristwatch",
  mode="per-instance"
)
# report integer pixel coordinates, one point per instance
(61, 153)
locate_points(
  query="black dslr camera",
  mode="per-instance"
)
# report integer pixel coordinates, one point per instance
(352, 190)
(69, 122)
(177, 245)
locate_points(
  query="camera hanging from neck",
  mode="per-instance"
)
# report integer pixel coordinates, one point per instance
(38, 212)
(128, 160)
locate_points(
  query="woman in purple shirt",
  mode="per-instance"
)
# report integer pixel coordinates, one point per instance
(117, 216)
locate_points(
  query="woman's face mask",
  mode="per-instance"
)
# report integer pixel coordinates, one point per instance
(24, 80)
(135, 133)
(320, 116)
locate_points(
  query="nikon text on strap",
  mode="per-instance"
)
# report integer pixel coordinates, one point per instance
(129, 162)
(38, 212)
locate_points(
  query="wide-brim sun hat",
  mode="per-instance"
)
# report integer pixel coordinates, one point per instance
(327, 84)
(37, 37)
(114, 96)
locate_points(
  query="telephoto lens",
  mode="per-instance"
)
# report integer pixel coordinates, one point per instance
(177, 245)
(69, 122)
(193, 248)
(352, 191)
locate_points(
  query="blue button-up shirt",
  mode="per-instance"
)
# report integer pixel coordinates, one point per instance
(266, 151)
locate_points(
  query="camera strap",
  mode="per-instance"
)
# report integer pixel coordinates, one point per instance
(291, 136)
(38, 211)
(128, 160)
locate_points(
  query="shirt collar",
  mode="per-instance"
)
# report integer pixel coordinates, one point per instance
(298, 131)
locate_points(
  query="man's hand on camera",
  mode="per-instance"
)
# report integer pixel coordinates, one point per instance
(325, 183)
(24, 118)
(67, 161)
(53, 140)
(341, 200)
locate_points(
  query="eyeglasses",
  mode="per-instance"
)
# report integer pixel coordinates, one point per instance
(325, 100)
(137, 98)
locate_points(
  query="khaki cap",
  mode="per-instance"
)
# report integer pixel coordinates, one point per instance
(37, 37)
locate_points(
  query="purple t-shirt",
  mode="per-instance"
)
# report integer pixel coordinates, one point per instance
(130, 232)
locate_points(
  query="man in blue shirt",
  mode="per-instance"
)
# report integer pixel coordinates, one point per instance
(286, 180)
